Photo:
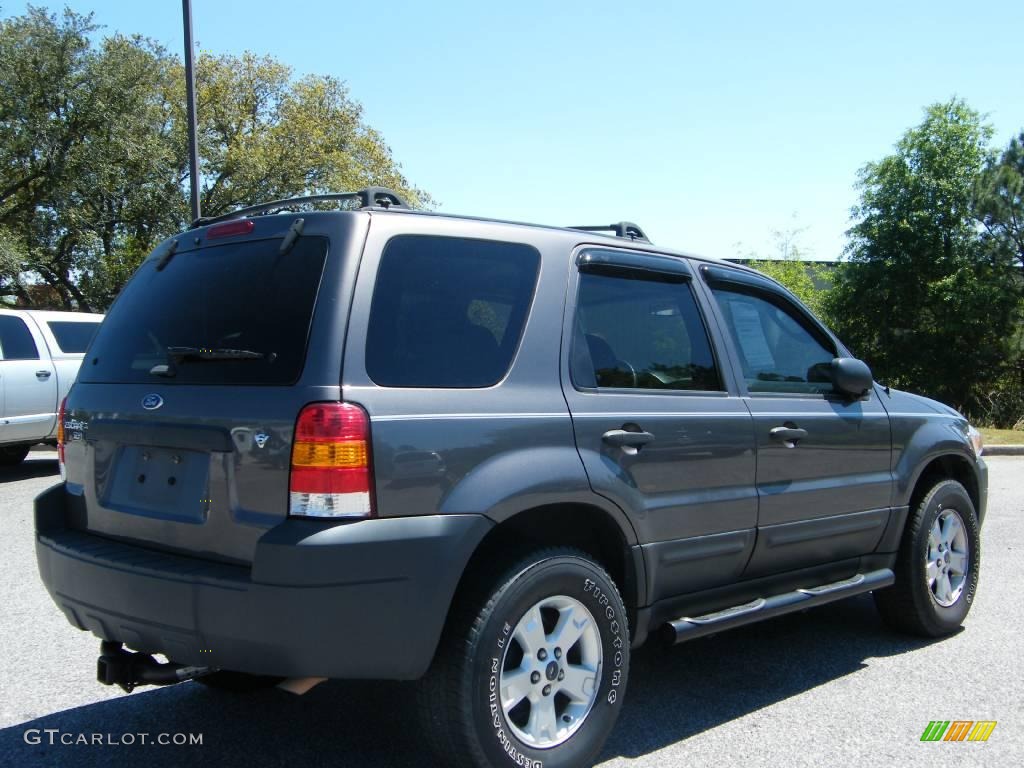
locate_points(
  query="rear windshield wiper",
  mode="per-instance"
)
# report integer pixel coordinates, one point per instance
(203, 354)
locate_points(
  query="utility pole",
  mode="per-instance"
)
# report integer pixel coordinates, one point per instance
(190, 98)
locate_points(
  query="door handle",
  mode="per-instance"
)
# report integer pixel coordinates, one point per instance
(788, 436)
(43, 375)
(629, 442)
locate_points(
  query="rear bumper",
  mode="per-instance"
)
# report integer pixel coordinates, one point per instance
(355, 600)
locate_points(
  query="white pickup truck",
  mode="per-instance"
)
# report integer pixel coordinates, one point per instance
(40, 353)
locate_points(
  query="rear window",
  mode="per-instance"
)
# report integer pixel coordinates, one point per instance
(73, 337)
(242, 296)
(448, 312)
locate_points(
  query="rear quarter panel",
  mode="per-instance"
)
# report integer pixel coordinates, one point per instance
(495, 450)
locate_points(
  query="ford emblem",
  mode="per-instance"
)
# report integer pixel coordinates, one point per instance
(152, 402)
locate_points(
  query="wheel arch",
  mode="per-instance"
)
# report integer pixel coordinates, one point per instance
(582, 525)
(947, 466)
(517, 482)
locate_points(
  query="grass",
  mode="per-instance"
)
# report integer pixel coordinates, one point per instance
(1003, 436)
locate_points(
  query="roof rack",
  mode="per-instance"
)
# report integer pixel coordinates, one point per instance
(371, 197)
(620, 229)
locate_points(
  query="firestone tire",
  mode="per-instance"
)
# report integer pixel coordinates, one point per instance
(464, 697)
(918, 603)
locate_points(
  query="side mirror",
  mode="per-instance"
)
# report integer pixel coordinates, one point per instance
(851, 376)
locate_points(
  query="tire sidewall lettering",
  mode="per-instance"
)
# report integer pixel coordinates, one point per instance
(955, 499)
(612, 678)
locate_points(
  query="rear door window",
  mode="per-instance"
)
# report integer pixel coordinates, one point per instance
(16, 341)
(448, 312)
(236, 298)
(644, 334)
(72, 337)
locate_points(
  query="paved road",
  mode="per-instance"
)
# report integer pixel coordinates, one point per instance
(830, 687)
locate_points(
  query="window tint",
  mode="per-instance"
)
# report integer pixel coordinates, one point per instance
(239, 296)
(448, 312)
(640, 334)
(778, 352)
(16, 342)
(72, 337)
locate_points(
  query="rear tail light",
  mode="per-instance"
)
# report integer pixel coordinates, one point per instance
(331, 472)
(60, 435)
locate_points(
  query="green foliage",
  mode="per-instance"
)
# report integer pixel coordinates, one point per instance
(797, 276)
(790, 268)
(922, 296)
(1000, 208)
(93, 150)
(1001, 403)
(1000, 200)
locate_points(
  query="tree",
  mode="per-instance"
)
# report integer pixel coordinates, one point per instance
(1000, 209)
(47, 113)
(790, 268)
(1000, 199)
(264, 135)
(921, 295)
(93, 149)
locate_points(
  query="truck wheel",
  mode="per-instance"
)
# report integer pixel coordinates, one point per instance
(532, 667)
(937, 565)
(12, 455)
(238, 682)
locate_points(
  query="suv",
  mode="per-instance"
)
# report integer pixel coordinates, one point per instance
(388, 444)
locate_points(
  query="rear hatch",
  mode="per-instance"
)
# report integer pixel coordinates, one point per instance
(179, 428)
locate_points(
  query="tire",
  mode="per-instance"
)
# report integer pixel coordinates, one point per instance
(460, 700)
(921, 602)
(237, 682)
(13, 455)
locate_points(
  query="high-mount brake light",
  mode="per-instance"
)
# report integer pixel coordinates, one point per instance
(331, 469)
(230, 229)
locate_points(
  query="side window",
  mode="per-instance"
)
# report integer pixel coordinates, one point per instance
(778, 352)
(73, 337)
(16, 342)
(448, 312)
(640, 334)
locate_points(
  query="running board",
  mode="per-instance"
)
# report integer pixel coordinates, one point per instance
(688, 628)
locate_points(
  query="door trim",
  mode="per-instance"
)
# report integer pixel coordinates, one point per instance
(680, 566)
(786, 546)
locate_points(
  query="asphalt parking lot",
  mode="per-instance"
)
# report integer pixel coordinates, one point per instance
(828, 687)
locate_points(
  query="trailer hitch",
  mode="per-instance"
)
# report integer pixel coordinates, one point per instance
(129, 669)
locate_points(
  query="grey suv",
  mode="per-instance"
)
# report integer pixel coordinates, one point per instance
(493, 457)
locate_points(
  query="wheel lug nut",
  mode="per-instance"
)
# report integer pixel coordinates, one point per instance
(558, 653)
(542, 654)
(547, 690)
(566, 719)
(561, 674)
(535, 677)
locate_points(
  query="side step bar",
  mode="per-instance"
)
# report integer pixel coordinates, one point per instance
(688, 628)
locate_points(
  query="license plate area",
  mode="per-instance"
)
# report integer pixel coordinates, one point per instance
(163, 483)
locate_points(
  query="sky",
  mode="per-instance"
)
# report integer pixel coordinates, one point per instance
(711, 125)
